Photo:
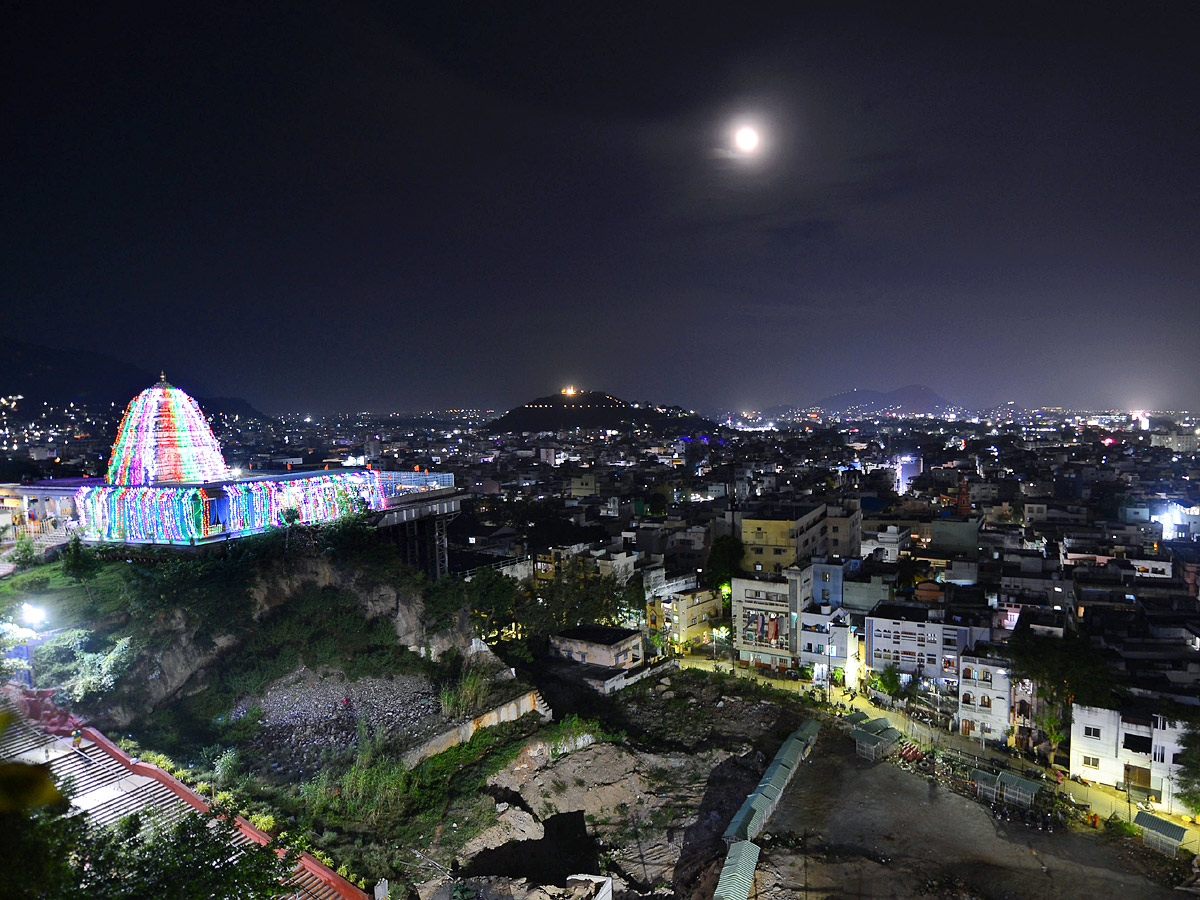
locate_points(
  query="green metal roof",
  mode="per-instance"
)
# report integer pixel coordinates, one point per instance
(865, 737)
(877, 725)
(778, 774)
(1008, 779)
(737, 830)
(890, 734)
(1160, 826)
(857, 717)
(979, 776)
(737, 875)
(768, 790)
(808, 731)
(791, 753)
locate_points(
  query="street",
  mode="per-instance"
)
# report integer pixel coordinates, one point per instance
(1104, 801)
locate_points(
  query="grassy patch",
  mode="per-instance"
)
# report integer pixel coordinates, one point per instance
(67, 604)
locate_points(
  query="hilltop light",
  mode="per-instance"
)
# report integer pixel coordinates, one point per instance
(569, 391)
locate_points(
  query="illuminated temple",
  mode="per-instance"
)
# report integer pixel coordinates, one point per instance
(167, 483)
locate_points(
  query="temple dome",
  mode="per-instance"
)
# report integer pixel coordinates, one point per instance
(165, 439)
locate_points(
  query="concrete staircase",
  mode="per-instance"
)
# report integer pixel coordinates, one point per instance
(543, 708)
(106, 790)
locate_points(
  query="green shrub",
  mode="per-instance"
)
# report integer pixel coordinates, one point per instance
(227, 767)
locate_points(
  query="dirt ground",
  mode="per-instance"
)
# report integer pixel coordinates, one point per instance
(655, 816)
(878, 831)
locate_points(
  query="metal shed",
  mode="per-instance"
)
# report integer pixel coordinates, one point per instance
(1160, 834)
(737, 875)
(1017, 790)
(874, 746)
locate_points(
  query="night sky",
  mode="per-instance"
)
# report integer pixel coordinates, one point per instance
(354, 205)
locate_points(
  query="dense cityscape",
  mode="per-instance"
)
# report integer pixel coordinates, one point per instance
(1003, 604)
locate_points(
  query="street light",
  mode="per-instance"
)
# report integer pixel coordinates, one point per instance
(719, 634)
(31, 615)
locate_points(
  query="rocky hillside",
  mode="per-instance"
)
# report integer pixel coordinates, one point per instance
(220, 630)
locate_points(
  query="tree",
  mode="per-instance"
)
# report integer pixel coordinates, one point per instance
(909, 571)
(1187, 779)
(631, 600)
(80, 563)
(657, 505)
(493, 599)
(25, 555)
(1067, 670)
(60, 855)
(291, 516)
(889, 681)
(1054, 727)
(724, 561)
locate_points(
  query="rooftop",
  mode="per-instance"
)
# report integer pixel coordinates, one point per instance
(606, 635)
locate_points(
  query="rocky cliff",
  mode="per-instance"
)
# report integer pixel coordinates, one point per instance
(176, 662)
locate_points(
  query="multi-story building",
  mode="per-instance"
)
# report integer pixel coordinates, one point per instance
(684, 617)
(920, 642)
(774, 537)
(889, 542)
(1132, 748)
(985, 696)
(763, 624)
(844, 528)
(821, 580)
(828, 644)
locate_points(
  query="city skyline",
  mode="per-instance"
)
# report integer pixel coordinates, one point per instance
(366, 208)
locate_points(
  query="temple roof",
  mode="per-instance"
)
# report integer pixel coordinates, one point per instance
(165, 439)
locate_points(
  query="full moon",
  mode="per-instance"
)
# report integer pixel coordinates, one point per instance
(746, 140)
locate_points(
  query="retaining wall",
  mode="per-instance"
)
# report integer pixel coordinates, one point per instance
(460, 734)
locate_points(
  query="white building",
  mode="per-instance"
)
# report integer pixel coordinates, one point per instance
(828, 642)
(919, 642)
(1129, 748)
(888, 542)
(985, 697)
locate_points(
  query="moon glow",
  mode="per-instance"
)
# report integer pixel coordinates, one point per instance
(746, 140)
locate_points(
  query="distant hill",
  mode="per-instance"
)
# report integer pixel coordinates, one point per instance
(914, 399)
(60, 377)
(592, 410)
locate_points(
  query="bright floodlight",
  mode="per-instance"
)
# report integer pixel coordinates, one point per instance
(746, 140)
(32, 615)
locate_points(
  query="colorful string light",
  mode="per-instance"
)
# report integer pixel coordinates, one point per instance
(173, 515)
(184, 514)
(164, 439)
(165, 450)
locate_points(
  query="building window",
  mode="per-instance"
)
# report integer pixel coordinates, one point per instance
(1160, 754)
(1137, 743)
(1091, 731)
(1091, 762)
(825, 594)
(825, 576)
